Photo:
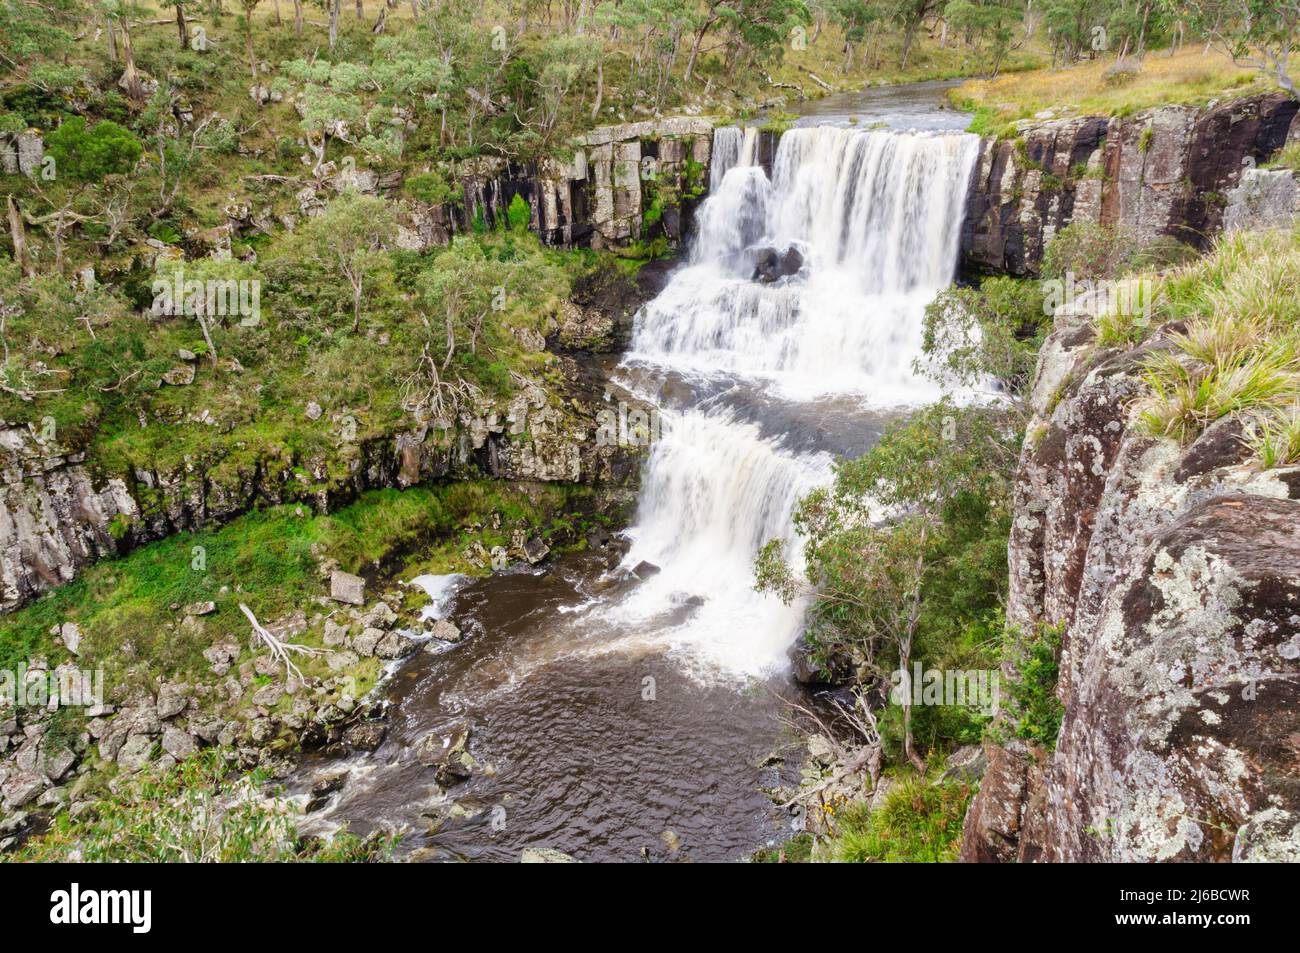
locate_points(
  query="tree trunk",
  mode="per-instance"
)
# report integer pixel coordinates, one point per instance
(334, 22)
(909, 37)
(130, 76)
(695, 49)
(600, 88)
(361, 13)
(252, 56)
(18, 235)
(297, 17)
(112, 39)
(278, 21)
(182, 28)
(207, 336)
(905, 657)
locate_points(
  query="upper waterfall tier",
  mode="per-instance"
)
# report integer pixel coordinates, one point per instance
(820, 275)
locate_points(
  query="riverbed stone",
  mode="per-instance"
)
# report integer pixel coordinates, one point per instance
(545, 855)
(366, 735)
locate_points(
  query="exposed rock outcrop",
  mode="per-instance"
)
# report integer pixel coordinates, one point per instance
(1175, 574)
(1264, 198)
(598, 198)
(1166, 171)
(57, 513)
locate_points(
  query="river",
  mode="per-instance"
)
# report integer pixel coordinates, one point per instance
(632, 715)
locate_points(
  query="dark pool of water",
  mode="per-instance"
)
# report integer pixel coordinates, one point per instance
(587, 741)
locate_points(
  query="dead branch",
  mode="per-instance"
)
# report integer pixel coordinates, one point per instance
(280, 650)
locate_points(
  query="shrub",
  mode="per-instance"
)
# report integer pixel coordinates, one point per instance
(1121, 73)
(918, 822)
(1034, 712)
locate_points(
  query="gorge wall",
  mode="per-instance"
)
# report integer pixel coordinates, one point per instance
(1167, 171)
(1172, 573)
(60, 509)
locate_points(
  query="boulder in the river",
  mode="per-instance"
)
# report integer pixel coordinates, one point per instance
(545, 855)
(644, 570)
(394, 645)
(444, 630)
(772, 265)
(323, 789)
(447, 751)
(366, 735)
(535, 550)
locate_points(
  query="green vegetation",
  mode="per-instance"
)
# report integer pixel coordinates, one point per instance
(919, 822)
(994, 330)
(1240, 352)
(270, 561)
(926, 583)
(1088, 87)
(1034, 712)
(201, 811)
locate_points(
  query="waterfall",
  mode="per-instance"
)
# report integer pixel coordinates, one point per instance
(732, 146)
(858, 230)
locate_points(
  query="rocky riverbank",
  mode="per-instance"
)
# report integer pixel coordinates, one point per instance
(1164, 172)
(1171, 571)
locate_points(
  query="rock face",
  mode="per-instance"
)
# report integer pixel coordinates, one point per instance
(1175, 574)
(598, 198)
(1162, 172)
(1264, 198)
(58, 514)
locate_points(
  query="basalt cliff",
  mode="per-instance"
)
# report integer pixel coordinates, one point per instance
(1170, 171)
(1173, 575)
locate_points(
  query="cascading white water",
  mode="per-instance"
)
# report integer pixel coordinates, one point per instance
(876, 217)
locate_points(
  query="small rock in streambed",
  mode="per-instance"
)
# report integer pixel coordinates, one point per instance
(366, 736)
(329, 784)
(443, 631)
(447, 751)
(535, 550)
(644, 570)
(394, 645)
(545, 855)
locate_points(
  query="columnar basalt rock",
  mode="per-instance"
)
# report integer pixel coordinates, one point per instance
(1174, 573)
(1164, 172)
(596, 198)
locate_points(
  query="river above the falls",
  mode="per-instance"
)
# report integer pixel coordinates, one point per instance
(632, 714)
